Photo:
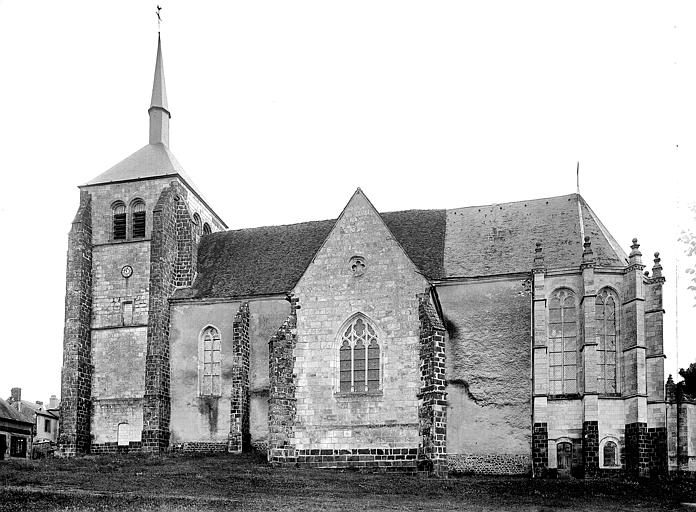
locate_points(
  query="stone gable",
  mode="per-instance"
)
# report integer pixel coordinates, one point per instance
(383, 287)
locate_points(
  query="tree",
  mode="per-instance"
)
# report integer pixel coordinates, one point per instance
(688, 237)
(688, 385)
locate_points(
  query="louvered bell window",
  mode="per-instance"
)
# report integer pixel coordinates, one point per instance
(119, 221)
(138, 219)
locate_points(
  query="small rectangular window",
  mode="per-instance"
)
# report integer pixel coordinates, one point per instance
(18, 447)
(139, 225)
(127, 313)
(47, 426)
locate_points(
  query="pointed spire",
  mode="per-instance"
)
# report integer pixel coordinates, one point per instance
(159, 110)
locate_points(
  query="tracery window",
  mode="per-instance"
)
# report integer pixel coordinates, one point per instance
(605, 316)
(563, 343)
(211, 364)
(119, 220)
(138, 219)
(359, 358)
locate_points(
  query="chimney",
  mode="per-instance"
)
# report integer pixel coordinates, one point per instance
(16, 395)
(53, 402)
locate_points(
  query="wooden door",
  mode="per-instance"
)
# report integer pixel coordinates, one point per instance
(564, 458)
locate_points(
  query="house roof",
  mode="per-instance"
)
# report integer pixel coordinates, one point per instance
(463, 242)
(7, 412)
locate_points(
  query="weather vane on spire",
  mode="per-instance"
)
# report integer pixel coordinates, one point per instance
(159, 17)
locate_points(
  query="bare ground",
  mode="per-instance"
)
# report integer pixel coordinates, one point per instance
(228, 482)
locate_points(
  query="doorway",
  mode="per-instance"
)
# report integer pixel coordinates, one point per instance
(564, 458)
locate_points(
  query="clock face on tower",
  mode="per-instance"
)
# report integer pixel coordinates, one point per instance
(127, 271)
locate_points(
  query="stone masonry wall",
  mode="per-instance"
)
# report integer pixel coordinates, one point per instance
(432, 413)
(333, 292)
(76, 385)
(540, 450)
(172, 243)
(282, 405)
(240, 439)
(590, 447)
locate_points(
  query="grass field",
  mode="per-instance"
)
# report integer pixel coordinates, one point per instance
(229, 482)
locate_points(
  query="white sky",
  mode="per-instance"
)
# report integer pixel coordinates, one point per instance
(281, 109)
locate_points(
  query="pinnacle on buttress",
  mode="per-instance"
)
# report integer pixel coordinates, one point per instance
(657, 268)
(635, 255)
(159, 110)
(587, 254)
(670, 389)
(538, 256)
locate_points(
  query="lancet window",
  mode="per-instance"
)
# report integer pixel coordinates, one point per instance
(211, 364)
(563, 333)
(605, 316)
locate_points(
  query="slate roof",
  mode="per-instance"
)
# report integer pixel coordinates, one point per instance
(500, 238)
(463, 242)
(7, 412)
(151, 161)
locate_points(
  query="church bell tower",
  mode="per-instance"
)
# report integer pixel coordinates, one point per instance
(132, 241)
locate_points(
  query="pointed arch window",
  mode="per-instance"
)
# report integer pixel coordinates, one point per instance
(206, 229)
(563, 343)
(119, 220)
(605, 316)
(211, 363)
(138, 216)
(359, 357)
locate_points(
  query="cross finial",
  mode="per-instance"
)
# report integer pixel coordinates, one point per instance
(159, 17)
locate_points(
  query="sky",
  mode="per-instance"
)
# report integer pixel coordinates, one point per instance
(281, 109)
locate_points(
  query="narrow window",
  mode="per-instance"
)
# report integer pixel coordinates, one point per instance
(206, 229)
(197, 223)
(605, 315)
(47, 426)
(138, 219)
(359, 358)
(119, 221)
(562, 343)
(345, 379)
(210, 381)
(127, 313)
(610, 457)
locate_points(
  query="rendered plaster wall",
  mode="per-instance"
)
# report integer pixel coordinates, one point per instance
(197, 419)
(330, 294)
(488, 374)
(265, 317)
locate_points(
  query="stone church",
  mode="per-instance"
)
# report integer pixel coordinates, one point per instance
(508, 338)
